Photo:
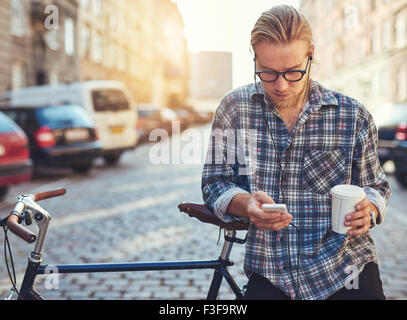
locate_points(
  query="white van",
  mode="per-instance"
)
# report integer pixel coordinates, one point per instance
(109, 103)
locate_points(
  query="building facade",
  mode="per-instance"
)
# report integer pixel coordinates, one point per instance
(138, 42)
(211, 75)
(170, 69)
(361, 47)
(38, 42)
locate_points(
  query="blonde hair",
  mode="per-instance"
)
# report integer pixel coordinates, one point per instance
(281, 24)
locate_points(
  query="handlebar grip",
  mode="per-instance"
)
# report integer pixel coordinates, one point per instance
(49, 194)
(20, 231)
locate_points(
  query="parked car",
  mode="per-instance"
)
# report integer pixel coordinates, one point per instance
(59, 135)
(15, 162)
(109, 103)
(205, 116)
(391, 121)
(187, 116)
(400, 153)
(152, 116)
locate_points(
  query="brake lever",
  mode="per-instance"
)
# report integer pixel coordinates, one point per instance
(41, 218)
(28, 217)
(18, 208)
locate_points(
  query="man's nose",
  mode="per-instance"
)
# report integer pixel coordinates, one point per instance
(281, 84)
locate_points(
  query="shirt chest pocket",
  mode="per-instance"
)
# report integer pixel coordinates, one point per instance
(323, 170)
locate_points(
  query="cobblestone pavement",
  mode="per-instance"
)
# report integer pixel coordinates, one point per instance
(129, 213)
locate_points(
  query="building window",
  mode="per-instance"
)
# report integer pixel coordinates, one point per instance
(351, 17)
(97, 8)
(107, 55)
(330, 5)
(385, 83)
(85, 4)
(17, 76)
(17, 18)
(386, 35)
(400, 30)
(85, 42)
(113, 18)
(372, 5)
(97, 48)
(402, 84)
(122, 65)
(114, 50)
(69, 37)
(52, 39)
(375, 40)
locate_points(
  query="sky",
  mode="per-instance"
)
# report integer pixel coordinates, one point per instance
(225, 25)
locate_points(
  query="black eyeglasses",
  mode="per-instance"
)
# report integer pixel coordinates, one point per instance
(290, 75)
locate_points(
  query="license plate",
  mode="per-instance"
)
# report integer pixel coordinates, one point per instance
(117, 130)
(76, 135)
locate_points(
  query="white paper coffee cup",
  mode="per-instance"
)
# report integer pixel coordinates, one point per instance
(344, 199)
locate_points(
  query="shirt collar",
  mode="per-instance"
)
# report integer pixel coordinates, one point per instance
(319, 96)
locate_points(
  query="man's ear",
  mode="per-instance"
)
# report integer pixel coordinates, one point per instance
(311, 52)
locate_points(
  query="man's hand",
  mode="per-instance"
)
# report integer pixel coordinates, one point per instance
(360, 218)
(268, 220)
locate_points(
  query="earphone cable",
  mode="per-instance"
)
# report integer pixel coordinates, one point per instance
(293, 225)
(12, 273)
(296, 284)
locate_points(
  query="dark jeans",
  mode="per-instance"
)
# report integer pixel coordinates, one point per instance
(370, 288)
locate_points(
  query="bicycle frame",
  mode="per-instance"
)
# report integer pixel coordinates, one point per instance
(35, 268)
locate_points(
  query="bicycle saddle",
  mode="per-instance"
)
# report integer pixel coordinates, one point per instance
(206, 214)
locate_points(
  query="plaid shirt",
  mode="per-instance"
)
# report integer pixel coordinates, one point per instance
(333, 142)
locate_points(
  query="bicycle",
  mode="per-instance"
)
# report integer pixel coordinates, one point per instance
(27, 210)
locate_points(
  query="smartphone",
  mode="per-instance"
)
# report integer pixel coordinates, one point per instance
(276, 207)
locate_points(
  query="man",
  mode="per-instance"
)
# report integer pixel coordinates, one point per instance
(308, 139)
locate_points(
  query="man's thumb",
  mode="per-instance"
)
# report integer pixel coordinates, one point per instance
(263, 197)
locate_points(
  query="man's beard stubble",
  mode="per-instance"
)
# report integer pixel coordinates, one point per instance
(290, 103)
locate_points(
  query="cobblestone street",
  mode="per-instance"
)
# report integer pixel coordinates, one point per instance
(129, 213)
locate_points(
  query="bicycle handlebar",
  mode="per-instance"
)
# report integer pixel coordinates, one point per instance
(12, 221)
(49, 194)
(19, 230)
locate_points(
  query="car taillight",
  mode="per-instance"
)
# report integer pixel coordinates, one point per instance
(138, 124)
(401, 133)
(44, 137)
(2, 150)
(95, 135)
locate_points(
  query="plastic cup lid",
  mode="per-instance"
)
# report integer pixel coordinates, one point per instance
(347, 191)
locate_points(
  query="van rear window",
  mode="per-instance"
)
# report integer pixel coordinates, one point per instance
(109, 100)
(70, 114)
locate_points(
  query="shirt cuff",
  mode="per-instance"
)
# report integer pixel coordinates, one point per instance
(222, 203)
(377, 199)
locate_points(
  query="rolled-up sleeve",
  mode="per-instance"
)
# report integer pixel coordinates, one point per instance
(366, 169)
(221, 180)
